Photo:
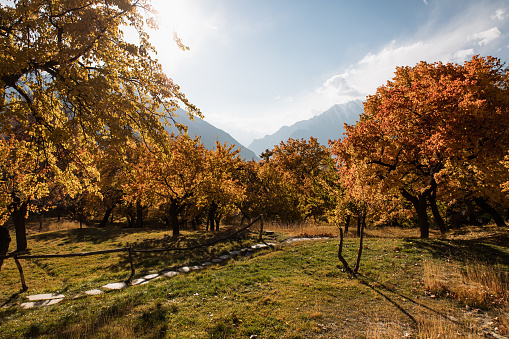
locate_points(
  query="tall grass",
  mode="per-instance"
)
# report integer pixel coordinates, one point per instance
(474, 284)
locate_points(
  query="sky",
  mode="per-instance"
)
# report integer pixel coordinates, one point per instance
(257, 65)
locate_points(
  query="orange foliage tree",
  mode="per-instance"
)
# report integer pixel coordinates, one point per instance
(295, 174)
(433, 131)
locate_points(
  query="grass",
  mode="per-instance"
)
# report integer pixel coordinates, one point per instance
(297, 290)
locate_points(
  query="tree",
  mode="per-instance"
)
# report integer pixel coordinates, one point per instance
(295, 174)
(169, 178)
(220, 189)
(70, 82)
(433, 127)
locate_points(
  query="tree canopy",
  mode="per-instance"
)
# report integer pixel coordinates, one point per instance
(433, 129)
(70, 82)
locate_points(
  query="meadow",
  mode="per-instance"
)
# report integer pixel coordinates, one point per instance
(406, 287)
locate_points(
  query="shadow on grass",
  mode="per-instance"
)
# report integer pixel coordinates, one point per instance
(146, 261)
(491, 250)
(386, 292)
(91, 234)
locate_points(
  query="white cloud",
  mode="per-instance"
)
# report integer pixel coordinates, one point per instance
(500, 14)
(462, 55)
(487, 36)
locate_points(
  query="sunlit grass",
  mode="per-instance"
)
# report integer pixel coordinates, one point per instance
(296, 290)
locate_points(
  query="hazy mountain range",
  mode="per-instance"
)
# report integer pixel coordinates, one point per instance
(209, 134)
(328, 125)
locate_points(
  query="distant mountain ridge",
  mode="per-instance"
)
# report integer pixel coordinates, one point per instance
(209, 134)
(328, 125)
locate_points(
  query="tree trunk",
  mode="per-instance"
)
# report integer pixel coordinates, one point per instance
(340, 252)
(434, 208)
(436, 214)
(420, 204)
(361, 240)
(174, 220)
(212, 214)
(359, 225)
(5, 240)
(106, 216)
(139, 214)
(218, 220)
(482, 203)
(347, 224)
(18, 214)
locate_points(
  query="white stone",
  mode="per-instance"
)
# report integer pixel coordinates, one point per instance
(115, 286)
(234, 253)
(224, 257)
(45, 302)
(257, 246)
(94, 292)
(195, 268)
(137, 281)
(215, 261)
(169, 274)
(151, 276)
(37, 297)
(183, 269)
(206, 263)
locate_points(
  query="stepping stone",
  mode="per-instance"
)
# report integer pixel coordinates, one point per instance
(94, 292)
(233, 253)
(224, 257)
(37, 297)
(216, 261)
(45, 302)
(115, 286)
(169, 274)
(151, 276)
(269, 232)
(196, 268)
(258, 246)
(137, 281)
(183, 269)
(206, 263)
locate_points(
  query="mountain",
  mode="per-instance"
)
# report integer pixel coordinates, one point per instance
(209, 134)
(328, 125)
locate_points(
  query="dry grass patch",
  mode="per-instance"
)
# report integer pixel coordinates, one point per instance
(474, 284)
(308, 229)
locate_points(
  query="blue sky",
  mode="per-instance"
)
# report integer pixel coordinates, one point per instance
(256, 65)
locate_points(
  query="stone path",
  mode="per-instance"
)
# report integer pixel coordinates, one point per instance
(52, 299)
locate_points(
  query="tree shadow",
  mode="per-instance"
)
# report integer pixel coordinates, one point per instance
(385, 292)
(492, 249)
(179, 256)
(91, 234)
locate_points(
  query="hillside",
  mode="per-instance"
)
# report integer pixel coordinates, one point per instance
(328, 125)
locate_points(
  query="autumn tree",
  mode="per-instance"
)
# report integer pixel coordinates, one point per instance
(69, 80)
(432, 129)
(169, 178)
(221, 189)
(294, 173)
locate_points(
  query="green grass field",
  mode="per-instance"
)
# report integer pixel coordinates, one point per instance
(407, 287)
